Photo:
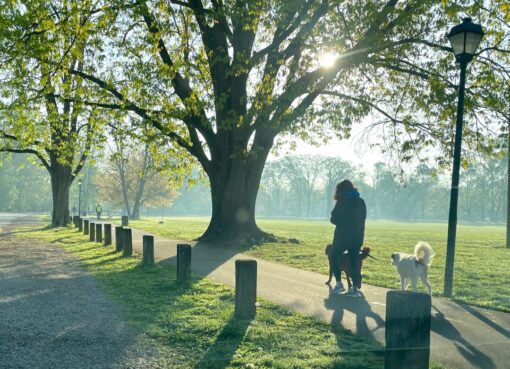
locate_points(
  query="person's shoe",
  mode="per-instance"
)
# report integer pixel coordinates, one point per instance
(339, 288)
(353, 293)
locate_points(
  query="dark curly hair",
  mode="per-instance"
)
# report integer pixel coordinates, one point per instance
(342, 188)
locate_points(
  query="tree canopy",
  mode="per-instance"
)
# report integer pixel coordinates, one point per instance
(225, 79)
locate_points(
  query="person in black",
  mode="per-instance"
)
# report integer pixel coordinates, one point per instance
(348, 216)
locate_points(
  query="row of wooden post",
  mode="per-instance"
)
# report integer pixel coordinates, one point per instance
(246, 270)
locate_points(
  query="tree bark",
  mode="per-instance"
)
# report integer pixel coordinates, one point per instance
(234, 191)
(233, 206)
(61, 180)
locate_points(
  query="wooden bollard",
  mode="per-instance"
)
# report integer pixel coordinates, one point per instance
(183, 263)
(99, 232)
(75, 220)
(246, 289)
(85, 226)
(80, 224)
(118, 238)
(125, 221)
(407, 330)
(148, 249)
(92, 232)
(107, 234)
(127, 242)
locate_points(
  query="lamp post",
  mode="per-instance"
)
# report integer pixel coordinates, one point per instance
(464, 39)
(79, 197)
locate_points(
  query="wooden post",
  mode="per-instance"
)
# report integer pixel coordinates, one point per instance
(148, 249)
(99, 232)
(80, 224)
(92, 231)
(107, 234)
(246, 289)
(75, 220)
(125, 221)
(127, 242)
(183, 263)
(118, 238)
(85, 226)
(407, 330)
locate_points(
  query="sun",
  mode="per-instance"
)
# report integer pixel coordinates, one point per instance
(327, 59)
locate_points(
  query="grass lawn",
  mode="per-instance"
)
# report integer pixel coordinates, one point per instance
(192, 326)
(482, 276)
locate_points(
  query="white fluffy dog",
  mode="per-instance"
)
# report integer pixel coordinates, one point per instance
(410, 267)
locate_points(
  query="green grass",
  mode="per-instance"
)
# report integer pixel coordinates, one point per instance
(192, 325)
(481, 278)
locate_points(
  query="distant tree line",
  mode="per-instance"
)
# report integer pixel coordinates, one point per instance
(24, 186)
(302, 187)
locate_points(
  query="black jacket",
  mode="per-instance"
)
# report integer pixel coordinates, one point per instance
(349, 216)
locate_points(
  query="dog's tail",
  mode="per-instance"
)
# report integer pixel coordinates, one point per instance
(423, 253)
(365, 252)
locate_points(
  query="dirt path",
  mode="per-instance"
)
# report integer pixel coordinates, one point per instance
(52, 314)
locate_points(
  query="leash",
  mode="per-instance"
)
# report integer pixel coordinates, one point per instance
(370, 256)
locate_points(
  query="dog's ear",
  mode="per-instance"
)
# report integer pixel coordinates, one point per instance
(393, 256)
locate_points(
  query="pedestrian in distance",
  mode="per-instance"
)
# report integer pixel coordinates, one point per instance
(348, 216)
(99, 209)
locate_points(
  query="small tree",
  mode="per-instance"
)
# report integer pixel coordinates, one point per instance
(131, 180)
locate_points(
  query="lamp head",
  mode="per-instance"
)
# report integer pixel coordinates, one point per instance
(465, 38)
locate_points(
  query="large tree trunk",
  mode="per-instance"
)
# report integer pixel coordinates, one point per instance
(61, 180)
(233, 206)
(234, 191)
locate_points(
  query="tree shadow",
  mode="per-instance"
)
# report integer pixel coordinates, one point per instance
(16, 231)
(220, 354)
(207, 257)
(443, 327)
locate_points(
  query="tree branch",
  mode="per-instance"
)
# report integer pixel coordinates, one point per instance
(28, 151)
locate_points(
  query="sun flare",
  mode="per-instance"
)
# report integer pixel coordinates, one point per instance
(328, 59)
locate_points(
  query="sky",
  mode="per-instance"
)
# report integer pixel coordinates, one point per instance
(353, 150)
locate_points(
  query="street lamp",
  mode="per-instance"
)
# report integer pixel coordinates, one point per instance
(79, 197)
(464, 39)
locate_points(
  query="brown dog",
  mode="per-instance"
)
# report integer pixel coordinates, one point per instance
(344, 263)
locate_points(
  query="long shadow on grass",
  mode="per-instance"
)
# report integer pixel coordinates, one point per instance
(17, 231)
(220, 354)
(443, 327)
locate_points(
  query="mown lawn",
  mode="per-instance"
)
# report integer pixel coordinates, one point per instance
(481, 278)
(192, 325)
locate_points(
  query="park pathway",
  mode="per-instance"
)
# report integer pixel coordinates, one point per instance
(53, 314)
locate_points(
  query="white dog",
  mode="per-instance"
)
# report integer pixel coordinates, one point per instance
(410, 267)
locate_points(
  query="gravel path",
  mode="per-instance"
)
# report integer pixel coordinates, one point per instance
(52, 314)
